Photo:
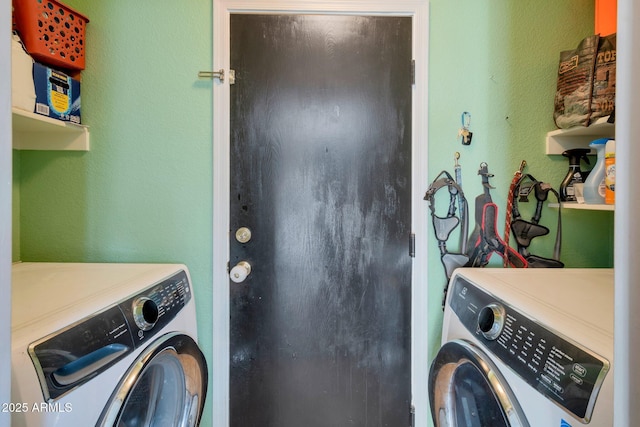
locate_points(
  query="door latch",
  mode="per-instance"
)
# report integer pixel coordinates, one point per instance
(218, 75)
(212, 75)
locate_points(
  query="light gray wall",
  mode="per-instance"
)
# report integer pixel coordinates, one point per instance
(627, 230)
(5, 210)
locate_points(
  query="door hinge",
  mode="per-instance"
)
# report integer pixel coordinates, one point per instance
(412, 245)
(412, 416)
(413, 71)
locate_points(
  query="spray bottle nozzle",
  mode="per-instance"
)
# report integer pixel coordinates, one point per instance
(576, 154)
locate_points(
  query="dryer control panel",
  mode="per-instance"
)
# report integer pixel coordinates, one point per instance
(72, 356)
(560, 369)
(151, 310)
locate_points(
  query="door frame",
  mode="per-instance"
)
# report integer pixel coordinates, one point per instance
(418, 10)
(6, 179)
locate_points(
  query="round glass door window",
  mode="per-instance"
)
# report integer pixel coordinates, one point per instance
(166, 386)
(158, 397)
(466, 389)
(475, 402)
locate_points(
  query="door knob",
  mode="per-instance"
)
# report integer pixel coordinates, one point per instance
(240, 272)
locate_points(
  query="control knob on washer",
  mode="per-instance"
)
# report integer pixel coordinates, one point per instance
(491, 321)
(145, 313)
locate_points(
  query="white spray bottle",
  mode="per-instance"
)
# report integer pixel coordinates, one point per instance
(594, 186)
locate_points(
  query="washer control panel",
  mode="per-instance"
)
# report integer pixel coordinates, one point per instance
(560, 369)
(74, 355)
(151, 310)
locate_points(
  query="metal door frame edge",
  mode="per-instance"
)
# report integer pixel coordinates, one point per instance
(419, 11)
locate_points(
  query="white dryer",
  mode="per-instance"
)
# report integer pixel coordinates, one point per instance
(104, 345)
(526, 348)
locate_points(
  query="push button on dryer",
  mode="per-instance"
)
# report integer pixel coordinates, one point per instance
(579, 369)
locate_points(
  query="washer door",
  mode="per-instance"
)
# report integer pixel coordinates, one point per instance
(165, 386)
(466, 389)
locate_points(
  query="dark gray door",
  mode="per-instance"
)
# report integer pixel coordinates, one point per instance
(321, 175)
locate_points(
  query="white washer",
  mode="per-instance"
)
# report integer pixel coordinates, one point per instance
(104, 345)
(525, 347)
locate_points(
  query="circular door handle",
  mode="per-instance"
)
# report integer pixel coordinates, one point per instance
(240, 272)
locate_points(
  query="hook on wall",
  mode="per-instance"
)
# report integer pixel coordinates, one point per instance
(464, 131)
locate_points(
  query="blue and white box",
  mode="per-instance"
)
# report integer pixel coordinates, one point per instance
(57, 94)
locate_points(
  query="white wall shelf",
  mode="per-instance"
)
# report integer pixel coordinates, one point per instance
(36, 132)
(579, 137)
(584, 206)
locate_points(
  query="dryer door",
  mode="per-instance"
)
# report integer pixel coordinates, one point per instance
(165, 386)
(466, 389)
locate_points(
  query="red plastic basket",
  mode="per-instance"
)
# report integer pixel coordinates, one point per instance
(52, 32)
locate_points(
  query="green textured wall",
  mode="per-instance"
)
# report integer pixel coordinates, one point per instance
(144, 191)
(498, 60)
(15, 208)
